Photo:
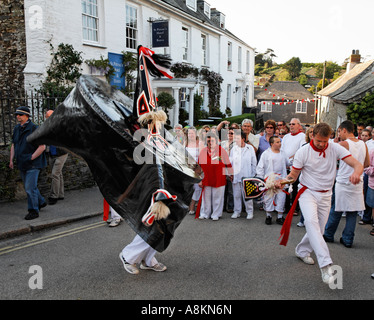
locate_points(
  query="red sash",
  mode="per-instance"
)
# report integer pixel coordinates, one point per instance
(285, 231)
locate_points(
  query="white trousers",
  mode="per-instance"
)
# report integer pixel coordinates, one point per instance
(315, 207)
(238, 193)
(114, 215)
(279, 200)
(139, 250)
(212, 203)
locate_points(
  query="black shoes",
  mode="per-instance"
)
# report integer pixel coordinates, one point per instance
(279, 221)
(52, 201)
(345, 244)
(32, 215)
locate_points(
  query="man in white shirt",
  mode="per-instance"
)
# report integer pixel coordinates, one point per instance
(315, 163)
(292, 142)
(348, 198)
(253, 140)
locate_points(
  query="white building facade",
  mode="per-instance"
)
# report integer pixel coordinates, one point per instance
(196, 35)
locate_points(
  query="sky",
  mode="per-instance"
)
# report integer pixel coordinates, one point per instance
(315, 31)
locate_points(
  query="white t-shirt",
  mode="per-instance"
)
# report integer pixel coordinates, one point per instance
(271, 162)
(243, 161)
(318, 169)
(358, 150)
(292, 143)
(370, 144)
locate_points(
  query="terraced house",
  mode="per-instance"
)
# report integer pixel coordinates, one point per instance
(190, 31)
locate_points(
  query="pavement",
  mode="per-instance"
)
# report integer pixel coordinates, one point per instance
(77, 205)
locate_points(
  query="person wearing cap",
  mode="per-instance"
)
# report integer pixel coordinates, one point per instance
(58, 157)
(30, 160)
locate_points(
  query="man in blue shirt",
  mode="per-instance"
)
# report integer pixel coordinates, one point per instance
(30, 160)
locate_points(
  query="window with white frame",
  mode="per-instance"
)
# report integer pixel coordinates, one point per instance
(228, 97)
(247, 62)
(204, 55)
(191, 4)
(185, 43)
(207, 9)
(239, 59)
(229, 56)
(90, 20)
(301, 107)
(266, 106)
(131, 27)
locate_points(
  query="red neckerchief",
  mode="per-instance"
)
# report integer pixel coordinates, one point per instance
(295, 134)
(319, 150)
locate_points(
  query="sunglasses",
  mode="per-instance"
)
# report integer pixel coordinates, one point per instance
(269, 127)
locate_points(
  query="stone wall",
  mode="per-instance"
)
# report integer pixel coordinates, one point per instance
(77, 175)
(12, 45)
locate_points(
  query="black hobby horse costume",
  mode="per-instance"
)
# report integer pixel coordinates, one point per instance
(140, 169)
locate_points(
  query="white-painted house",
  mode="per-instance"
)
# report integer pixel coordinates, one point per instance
(196, 34)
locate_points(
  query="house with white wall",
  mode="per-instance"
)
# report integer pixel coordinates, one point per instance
(190, 31)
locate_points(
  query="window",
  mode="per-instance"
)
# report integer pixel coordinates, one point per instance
(191, 4)
(202, 93)
(207, 9)
(228, 97)
(301, 107)
(185, 43)
(90, 20)
(131, 27)
(229, 56)
(204, 57)
(239, 59)
(266, 106)
(247, 62)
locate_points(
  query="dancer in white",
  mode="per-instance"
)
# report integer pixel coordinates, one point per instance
(273, 160)
(316, 165)
(243, 160)
(348, 198)
(140, 252)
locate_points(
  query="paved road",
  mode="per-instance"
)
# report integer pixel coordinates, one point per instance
(207, 260)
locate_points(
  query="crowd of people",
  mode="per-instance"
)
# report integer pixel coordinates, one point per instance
(331, 173)
(229, 152)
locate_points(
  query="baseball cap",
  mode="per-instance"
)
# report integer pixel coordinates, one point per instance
(23, 110)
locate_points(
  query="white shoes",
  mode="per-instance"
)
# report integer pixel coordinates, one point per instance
(306, 260)
(159, 267)
(115, 222)
(130, 268)
(237, 215)
(327, 276)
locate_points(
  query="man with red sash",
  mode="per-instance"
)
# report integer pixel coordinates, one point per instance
(315, 163)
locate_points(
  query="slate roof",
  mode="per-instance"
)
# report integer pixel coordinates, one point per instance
(353, 85)
(199, 14)
(291, 90)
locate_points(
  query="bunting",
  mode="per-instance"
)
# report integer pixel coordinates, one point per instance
(284, 100)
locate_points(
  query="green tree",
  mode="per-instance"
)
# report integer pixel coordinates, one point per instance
(63, 71)
(303, 80)
(293, 66)
(130, 63)
(319, 85)
(165, 100)
(331, 69)
(362, 112)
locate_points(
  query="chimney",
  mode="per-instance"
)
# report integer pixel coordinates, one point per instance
(354, 59)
